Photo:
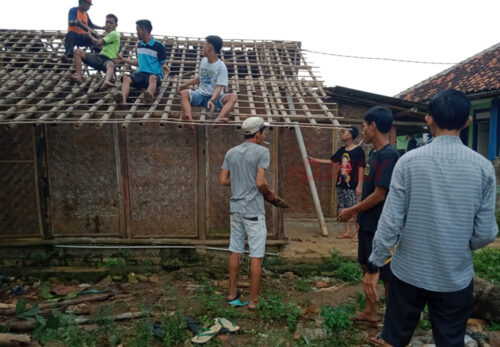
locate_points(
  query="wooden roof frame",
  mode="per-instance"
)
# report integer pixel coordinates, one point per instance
(271, 79)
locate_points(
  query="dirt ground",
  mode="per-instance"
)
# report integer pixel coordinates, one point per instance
(302, 278)
(307, 244)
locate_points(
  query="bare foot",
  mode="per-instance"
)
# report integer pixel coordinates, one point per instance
(188, 118)
(148, 97)
(376, 340)
(346, 235)
(251, 306)
(119, 99)
(108, 84)
(75, 78)
(355, 239)
(372, 318)
(220, 120)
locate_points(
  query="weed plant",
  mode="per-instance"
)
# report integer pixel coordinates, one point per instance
(272, 308)
(487, 264)
(338, 325)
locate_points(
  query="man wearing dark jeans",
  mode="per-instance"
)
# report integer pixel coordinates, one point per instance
(79, 25)
(440, 207)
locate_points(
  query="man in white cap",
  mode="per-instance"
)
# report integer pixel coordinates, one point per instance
(244, 170)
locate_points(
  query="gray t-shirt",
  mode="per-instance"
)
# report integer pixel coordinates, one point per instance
(242, 162)
(212, 75)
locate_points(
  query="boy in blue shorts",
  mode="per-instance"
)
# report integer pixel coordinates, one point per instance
(212, 79)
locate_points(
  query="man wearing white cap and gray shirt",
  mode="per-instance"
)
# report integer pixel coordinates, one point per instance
(244, 170)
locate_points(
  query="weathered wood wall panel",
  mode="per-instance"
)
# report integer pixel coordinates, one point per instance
(19, 212)
(295, 186)
(83, 182)
(163, 181)
(220, 141)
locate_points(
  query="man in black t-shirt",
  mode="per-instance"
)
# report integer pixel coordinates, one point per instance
(348, 164)
(378, 172)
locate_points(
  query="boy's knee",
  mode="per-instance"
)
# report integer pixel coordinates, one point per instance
(79, 52)
(233, 98)
(184, 93)
(126, 79)
(153, 79)
(109, 65)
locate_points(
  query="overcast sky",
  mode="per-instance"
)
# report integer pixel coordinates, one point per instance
(429, 30)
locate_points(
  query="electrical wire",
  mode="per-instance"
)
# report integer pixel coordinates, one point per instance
(379, 58)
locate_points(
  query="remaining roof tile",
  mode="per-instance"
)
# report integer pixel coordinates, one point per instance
(480, 73)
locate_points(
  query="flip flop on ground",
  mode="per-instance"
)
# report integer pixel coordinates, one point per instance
(238, 303)
(228, 324)
(344, 236)
(204, 335)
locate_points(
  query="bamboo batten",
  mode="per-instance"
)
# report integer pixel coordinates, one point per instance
(271, 79)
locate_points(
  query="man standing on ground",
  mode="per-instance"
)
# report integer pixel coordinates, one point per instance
(440, 207)
(212, 78)
(101, 61)
(378, 172)
(152, 63)
(349, 186)
(244, 170)
(79, 24)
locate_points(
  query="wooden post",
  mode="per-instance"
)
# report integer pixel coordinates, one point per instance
(310, 179)
(333, 200)
(123, 177)
(42, 179)
(201, 189)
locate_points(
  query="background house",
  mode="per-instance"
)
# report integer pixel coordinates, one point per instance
(479, 78)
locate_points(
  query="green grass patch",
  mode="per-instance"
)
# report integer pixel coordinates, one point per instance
(301, 285)
(487, 264)
(344, 269)
(338, 325)
(272, 308)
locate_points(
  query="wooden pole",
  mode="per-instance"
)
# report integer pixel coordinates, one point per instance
(310, 179)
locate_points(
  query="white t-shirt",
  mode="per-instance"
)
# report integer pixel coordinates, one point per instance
(212, 75)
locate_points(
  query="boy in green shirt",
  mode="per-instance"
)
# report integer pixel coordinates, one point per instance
(104, 60)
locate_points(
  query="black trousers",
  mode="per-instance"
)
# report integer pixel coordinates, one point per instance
(448, 313)
(73, 39)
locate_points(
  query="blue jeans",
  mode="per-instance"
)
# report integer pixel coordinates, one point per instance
(198, 99)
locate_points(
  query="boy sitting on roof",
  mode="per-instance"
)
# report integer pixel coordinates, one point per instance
(103, 61)
(79, 24)
(212, 79)
(152, 63)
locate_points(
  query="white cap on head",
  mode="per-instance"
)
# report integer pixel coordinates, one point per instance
(253, 124)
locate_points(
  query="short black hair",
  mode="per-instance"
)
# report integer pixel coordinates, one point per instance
(145, 24)
(261, 130)
(354, 132)
(382, 117)
(112, 16)
(82, 1)
(215, 41)
(450, 109)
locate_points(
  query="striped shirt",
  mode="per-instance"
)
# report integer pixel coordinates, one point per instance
(151, 56)
(440, 207)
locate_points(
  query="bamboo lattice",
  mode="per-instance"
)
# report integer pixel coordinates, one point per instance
(271, 79)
